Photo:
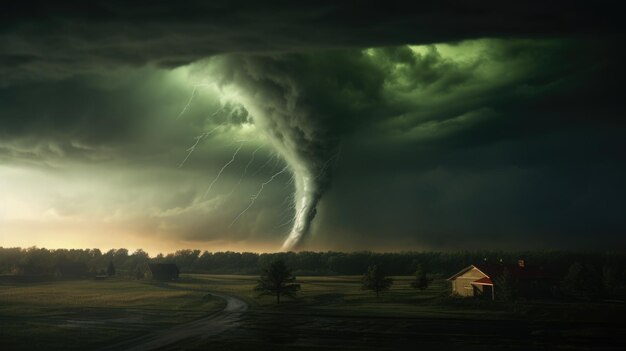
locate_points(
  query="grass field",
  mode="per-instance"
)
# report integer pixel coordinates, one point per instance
(343, 295)
(329, 312)
(87, 314)
(334, 313)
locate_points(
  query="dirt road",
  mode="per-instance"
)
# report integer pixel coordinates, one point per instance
(199, 329)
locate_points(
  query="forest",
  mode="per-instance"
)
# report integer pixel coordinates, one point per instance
(81, 263)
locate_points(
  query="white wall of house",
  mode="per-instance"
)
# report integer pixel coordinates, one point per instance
(462, 284)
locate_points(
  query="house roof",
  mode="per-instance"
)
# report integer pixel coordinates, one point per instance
(465, 270)
(521, 273)
(483, 281)
(494, 270)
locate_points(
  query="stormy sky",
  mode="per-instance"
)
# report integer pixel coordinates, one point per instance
(441, 125)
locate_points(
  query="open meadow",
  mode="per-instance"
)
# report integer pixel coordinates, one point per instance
(328, 313)
(90, 314)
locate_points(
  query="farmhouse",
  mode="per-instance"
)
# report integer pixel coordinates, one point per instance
(480, 280)
(164, 271)
(472, 281)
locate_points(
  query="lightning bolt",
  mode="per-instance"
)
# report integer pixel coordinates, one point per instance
(193, 93)
(288, 222)
(255, 196)
(198, 138)
(216, 111)
(290, 206)
(291, 219)
(327, 163)
(287, 200)
(191, 149)
(290, 181)
(265, 164)
(245, 171)
(222, 170)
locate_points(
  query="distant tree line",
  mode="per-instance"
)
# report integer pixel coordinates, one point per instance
(581, 275)
(72, 263)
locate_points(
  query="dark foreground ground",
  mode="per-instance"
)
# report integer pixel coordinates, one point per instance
(331, 313)
(305, 332)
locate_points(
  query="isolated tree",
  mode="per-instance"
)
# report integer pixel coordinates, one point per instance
(111, 269)
(376, 280)
(421, 278)
(277, 279)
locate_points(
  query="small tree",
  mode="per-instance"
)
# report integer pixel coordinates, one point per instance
(376, 280)
(111, 269)
(421, 278)
(277, 279)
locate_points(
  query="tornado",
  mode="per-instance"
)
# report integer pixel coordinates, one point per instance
(279, 101)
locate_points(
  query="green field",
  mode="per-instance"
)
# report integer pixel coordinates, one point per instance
(343, 294)
(333, 312)
(88, 314)
(329, 312)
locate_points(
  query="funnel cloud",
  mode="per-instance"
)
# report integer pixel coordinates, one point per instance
(301, 132)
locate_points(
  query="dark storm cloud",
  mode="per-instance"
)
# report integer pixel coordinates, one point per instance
(106, 115)
(530, 159)
(504, 141)
(58, 39)
(48, 49)
(524, 147)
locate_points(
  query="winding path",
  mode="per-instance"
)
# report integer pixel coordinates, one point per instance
(201, 328)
